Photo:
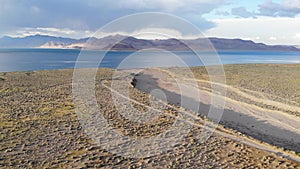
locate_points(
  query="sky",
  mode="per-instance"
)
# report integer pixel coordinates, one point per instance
(267, 21)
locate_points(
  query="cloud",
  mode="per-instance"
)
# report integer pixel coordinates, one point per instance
(272, 38)
(287, 8)
(93, 14)
(222, 13)
(259, 29)
(171, 6)
(242, 12)
(147, 33)
(51, 32)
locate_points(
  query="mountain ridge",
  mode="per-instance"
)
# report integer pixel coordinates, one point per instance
(120, 42)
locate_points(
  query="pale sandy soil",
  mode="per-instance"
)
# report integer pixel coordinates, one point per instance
(40, 129)
(269, 125)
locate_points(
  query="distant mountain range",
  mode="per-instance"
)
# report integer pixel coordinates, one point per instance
(119, 42)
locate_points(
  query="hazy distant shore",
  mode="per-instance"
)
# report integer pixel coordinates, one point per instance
(129, 43)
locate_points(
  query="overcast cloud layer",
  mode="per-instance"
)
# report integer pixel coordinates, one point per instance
(92, 14)
(80, 18)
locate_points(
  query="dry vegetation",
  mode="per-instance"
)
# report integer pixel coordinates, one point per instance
(39, 127)
(277, 82)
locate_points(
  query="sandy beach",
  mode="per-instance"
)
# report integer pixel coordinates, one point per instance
(259, 128)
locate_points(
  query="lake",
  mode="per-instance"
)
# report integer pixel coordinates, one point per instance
(49, 59)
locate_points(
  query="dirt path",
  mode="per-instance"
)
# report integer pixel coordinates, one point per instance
(219, 131)
(243, 94)
(274, 127)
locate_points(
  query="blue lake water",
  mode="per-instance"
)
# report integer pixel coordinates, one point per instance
(48, 59)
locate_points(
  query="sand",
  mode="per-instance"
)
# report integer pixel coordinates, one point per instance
(40, 128)
(272, 126)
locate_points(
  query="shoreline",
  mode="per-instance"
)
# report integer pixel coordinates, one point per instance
(201, 66)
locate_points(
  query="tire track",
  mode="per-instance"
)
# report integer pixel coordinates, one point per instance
(243, 94)
(247, 141)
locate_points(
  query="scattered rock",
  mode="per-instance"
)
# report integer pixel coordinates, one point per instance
(55, 141)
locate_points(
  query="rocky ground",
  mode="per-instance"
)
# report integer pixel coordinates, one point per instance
(40, 129)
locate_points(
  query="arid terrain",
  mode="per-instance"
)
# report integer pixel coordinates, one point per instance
(274, 120)
(40, 128)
